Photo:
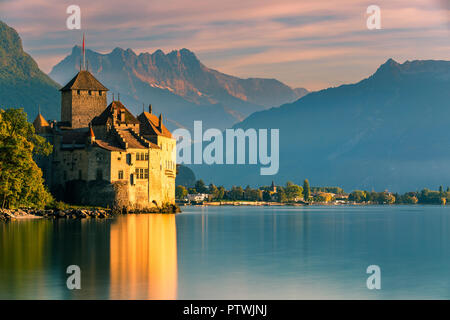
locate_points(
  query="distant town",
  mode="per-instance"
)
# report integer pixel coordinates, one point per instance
(292, 194)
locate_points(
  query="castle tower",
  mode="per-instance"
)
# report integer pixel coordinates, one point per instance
(82, 99)
(40, 124)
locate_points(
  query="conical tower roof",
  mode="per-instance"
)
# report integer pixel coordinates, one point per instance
(40, 124)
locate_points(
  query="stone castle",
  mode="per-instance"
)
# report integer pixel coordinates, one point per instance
(104, 155)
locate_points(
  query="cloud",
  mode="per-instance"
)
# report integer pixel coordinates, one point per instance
(245, 38)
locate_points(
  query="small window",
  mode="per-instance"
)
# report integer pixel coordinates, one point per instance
(90, 92)
(146, 156)
(138, 157)
(146, 174)
(120, 174)
(131, 179)
(99, 174)
(78, 92)
(100, 93)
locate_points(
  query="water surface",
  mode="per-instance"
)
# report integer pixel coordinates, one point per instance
(315, 252)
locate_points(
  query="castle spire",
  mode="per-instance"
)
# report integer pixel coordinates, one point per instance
(84, 54)
(149, 108)
(160, 122)
(91, 134)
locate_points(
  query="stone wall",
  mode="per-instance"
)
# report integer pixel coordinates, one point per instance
(80, 109)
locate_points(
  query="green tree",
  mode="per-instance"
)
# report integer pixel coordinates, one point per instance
(180, 192)
(306, 190)
(200, 186)
(221, 193)
(293, 191)
(21, 182)
(192, 191)
(281, 195)
(236, 193)
(214, 191)
(358, 196)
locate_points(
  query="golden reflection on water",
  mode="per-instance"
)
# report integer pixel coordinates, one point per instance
(143, 253)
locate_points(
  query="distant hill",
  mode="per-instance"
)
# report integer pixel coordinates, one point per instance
(389, 131)
(179, 85)
(22, 83)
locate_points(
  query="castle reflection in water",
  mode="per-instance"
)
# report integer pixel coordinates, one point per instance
(130, 257)
(143, 258)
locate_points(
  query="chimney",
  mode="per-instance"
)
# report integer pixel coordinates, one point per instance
(160, 122)
(149, 108)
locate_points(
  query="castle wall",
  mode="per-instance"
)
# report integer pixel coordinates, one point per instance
(80, 106)
(168, 168)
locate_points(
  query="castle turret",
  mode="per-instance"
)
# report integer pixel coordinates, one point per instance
(91, 138)
(40, 124)
(82, 99)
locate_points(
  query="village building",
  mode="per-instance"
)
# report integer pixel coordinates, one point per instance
(103, 155)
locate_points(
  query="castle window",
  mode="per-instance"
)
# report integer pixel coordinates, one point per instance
(138, 157)
(90, 92)
(78, 92)
(146, 174)
(120, 174)
(146, 156)
(99, 174)
(139, 173)
(131, 179)
(100, 93)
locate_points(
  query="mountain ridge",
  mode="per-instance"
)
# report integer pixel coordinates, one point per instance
(22, 83)
(178, 80)
(388, 130)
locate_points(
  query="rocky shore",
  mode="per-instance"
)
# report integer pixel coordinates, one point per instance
(9, 214)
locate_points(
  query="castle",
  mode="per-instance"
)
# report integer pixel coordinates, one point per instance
(104, 155)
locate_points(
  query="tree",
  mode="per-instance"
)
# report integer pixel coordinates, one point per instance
(180, 192)
(358, 196)
(306, 190)
(281, 195)
(21, 182)
(200, 186)
(213, 191)
(293, 191)
(236, 193)
(192, 191)
(221, 193)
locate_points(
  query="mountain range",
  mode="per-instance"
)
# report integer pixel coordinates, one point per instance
(178, 85)
(22, 83)
(388, 131)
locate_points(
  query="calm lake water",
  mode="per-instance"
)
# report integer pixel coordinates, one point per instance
(233, 253)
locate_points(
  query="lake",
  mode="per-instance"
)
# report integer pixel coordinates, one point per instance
(315, 252)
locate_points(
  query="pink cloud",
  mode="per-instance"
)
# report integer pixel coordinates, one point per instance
(242, 37)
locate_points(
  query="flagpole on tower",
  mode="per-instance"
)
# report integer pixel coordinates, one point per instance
(84, 54)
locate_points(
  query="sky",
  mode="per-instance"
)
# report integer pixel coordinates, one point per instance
(310, 44)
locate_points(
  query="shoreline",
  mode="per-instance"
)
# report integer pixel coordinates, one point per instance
(78, 213)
